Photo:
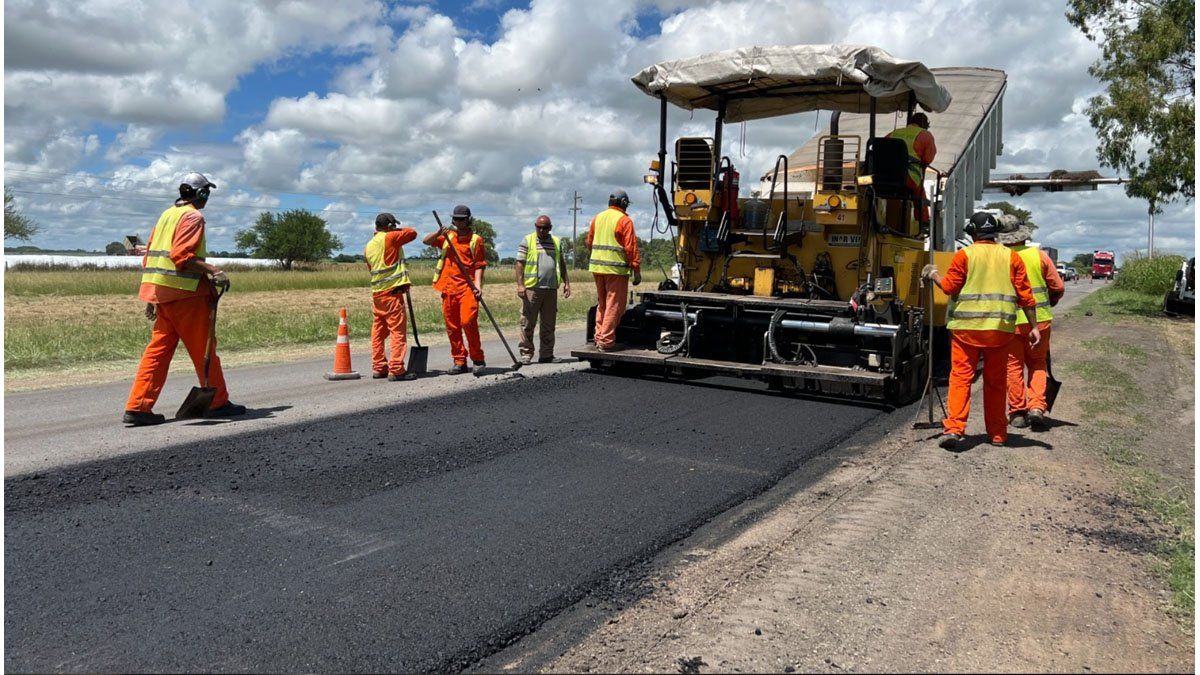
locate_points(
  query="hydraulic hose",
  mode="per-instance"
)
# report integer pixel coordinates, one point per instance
(664, 345)
(776, 318)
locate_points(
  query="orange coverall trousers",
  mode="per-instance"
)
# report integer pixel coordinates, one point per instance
(389, 320)
(461, 314)
(188, 320)
(612, 292)
(1028, 391)
(965, 348)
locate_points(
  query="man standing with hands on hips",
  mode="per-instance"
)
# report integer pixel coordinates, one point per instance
(614, 257)
(460, 303)
(540, 268)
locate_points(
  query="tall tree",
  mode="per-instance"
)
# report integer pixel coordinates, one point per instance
(1146, 116)
(290, 237)
(1021, 214)
(16, 224)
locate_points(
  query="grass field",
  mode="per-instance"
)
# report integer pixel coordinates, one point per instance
(60, 319)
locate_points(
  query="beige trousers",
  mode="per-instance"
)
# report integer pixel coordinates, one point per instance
(539, 309)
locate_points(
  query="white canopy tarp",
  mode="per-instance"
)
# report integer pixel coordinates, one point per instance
(760, 82)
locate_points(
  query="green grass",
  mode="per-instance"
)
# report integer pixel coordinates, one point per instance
(28, 281)
(60, 319)
(1107, 346)
(1114, 302)
(1177, 558)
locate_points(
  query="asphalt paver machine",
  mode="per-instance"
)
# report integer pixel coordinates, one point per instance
(812, 282)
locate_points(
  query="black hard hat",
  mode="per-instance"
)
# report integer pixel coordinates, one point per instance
(462, 211)
(983, 225)
(618, 197)
(385, 220)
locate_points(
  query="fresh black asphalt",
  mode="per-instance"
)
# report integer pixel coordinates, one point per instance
(419, 536)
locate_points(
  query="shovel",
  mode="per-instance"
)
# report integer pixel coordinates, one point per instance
(1052, 385)
(199, 399)
(418, 357)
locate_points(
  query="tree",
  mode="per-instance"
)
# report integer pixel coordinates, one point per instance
(482, 228)
(115, 248)
(292, 236)
(1021, 214)
(16, 224)
(1082, 262)
(1145, 118)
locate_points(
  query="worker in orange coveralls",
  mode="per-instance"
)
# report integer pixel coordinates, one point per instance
(460, 304)
(922, 150)
(389, 282)
(614, 256)
(1027, 393)
(987, 284)
(179, 289)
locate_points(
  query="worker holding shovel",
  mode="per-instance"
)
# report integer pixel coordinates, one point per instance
(460, 293)
(389, 286)
(180, 290)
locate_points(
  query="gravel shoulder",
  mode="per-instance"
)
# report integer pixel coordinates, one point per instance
(1046, 555)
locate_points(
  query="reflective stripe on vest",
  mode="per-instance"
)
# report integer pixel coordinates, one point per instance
(1032, 257)
(987, 300)
(608, 256)
(533, 255)
(437, 272)
(384, 277)
(909, 135)
(158, 268)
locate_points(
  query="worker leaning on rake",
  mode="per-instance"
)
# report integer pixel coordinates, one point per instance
(988, 286)
(1027, 392)
(389, 281)
(180, 291)
(460, 300)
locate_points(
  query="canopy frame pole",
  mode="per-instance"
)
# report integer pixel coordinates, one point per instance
(717, 140)
(662, 137)
(871, 134)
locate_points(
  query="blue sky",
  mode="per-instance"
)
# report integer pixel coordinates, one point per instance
(358, 106)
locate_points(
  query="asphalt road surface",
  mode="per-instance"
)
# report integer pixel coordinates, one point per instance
(404, 526)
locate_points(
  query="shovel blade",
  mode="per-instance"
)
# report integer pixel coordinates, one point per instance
(418, 360)
(198, 401)
(1052, 387)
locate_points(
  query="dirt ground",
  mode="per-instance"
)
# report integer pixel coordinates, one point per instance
(906, 557)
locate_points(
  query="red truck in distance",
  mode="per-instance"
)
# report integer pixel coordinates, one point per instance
(1102, 264)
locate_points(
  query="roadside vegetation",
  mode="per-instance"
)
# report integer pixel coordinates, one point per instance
(65, 318)
(1124, 414)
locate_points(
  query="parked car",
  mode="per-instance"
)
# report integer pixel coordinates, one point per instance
(1181, 299)
(1067, 272)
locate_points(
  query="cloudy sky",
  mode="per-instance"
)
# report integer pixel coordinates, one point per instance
(352, 107)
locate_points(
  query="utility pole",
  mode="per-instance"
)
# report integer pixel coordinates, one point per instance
(575, 230)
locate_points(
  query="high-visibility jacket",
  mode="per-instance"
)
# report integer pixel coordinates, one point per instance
(475, 239)
(1032, 257)
(608, 256)
(533, 253)
(384, 277)
(158, 268)
(988, 300)
(909, 134)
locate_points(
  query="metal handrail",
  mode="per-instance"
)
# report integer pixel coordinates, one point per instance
(771, 197)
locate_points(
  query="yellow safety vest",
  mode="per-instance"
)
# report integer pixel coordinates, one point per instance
(446, 248)
(1032, 256)
(608, 256)
(909, 134)
(987, 300)
(533, 253)
(384, 277)
(158, 268)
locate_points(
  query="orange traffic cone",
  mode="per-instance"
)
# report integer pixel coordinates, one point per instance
(341, 353)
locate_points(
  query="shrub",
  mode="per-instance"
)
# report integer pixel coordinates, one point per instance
(1152, 276)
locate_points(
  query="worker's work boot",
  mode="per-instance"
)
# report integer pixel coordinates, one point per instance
(1018, 420)
(230, 409)
(379, 374)
(457, 369)
(138, 418)
(950, 441)
(548, 359)
(998, 442)
(526, 359)
(1037, 419)
(480, 368)
(402, 377)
